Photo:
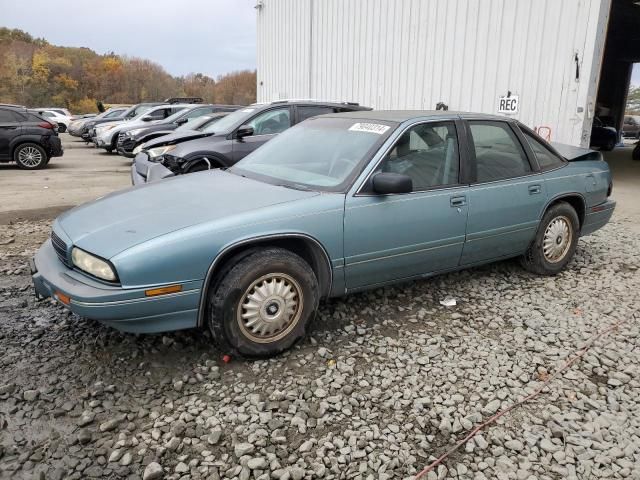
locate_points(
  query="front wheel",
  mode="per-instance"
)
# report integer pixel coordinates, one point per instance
(62, 128)
(30, 156)
(263, 303)
(555, 242)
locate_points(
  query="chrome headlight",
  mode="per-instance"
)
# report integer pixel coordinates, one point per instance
(93, 265)
(135, 131)
(159, 151)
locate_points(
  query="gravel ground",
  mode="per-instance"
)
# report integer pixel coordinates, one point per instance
(388, 380)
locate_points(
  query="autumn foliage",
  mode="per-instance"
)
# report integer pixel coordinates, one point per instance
(35, 73)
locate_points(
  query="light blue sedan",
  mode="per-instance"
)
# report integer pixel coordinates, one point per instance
(337, 204)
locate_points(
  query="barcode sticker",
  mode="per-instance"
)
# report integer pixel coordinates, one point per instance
(369, 128)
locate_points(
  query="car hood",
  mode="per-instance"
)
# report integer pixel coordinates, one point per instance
(195, 144)
(121, 220)
(174, 138)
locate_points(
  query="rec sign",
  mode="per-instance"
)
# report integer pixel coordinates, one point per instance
(509, 105)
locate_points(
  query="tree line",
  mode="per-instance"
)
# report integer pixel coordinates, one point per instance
(35, 73)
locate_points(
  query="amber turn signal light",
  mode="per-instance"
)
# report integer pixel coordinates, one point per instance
(154, 292)
(63, 298)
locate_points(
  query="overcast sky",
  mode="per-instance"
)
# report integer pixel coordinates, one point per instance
(635, 76)
(208, 36)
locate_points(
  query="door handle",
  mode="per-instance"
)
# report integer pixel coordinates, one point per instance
(458, 201)
(534, 189)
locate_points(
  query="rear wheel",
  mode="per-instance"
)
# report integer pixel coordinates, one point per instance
(555, 242)
(62, 128)
(263, 303)
(30, 156)
(610, 145)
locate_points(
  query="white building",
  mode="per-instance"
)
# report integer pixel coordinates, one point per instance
(467, 54)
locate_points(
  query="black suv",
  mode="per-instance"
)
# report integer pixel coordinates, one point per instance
(26, 138)
(233, 138)
(128, 140)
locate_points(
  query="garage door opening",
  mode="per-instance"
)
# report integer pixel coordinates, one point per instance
(621, 53)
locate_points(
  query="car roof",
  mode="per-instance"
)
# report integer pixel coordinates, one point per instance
(313, 102)
(11, 106)
(400, 116)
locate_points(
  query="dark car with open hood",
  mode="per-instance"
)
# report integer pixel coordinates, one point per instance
(230, 139)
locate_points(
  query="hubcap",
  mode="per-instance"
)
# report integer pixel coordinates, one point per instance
(30, 157)
(557, 239)
(270, 308)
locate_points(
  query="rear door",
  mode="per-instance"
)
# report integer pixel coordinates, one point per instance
(10, 127)
(266, 125)
(506, 195)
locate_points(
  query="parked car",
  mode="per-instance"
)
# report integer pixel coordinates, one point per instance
(195, 128)
(340, 203)
(88, 130)
(235, 136)
(106, 135)
(602, 136)
(80, 126)
(26, 138)
(61, 111)
(129, 139)
(631, 126)
(62, 121)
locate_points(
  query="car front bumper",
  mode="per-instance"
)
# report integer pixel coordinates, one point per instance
(126, 309)
(125, 146)
(144, 171)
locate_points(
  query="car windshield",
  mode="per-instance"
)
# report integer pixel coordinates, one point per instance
(197, 123)
(319, 154)
(175, 116)
(231, 121)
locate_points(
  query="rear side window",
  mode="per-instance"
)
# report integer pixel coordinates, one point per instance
(546, 158)
(7, 116)
(313, 111)
(498, 152)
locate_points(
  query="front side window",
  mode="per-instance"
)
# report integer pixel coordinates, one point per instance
(498, 152)
(428, 153)
(271, 122)
(322, 154)
(546, 158)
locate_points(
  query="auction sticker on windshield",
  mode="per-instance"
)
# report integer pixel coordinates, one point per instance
(369, 128)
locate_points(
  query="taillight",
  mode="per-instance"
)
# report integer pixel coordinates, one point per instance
(46, 125)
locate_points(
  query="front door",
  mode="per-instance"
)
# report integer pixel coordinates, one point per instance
(506, 198)
(266, 125)
(391, 237)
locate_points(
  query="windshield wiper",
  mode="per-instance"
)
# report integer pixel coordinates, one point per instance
(294, 186)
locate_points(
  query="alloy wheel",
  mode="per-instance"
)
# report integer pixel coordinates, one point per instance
(30, 157)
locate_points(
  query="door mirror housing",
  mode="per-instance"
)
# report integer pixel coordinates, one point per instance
(181, 121)
(244, 131)
(386, 183)
(147, 118)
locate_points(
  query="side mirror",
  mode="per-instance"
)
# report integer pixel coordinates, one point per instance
(385, 183)
(244, 131)
(148, 118)
(181, 121)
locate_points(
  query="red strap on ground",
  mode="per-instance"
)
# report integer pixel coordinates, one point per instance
(573, 358)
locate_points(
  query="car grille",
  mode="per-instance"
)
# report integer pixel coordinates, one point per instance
(60, 247)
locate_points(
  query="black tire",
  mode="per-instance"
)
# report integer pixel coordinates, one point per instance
(635, 154)
(536, 260)
(108, 149)
(62, 128)
(240, 280)
(610, 145)
(30, 156)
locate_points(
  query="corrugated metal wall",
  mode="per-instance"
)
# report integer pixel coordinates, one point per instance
(414, 53)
